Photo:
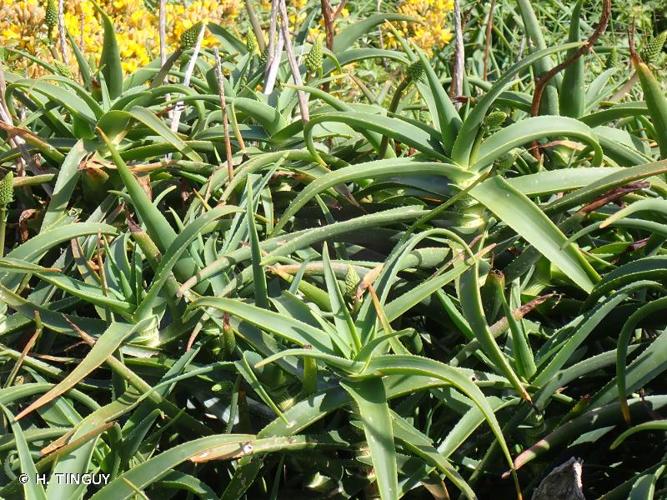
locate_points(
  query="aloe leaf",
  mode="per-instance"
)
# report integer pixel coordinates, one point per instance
(645, 486)
(185, 482)
(32, 490)
(104, 347)
(465, 140)
(84, 67)
(648, 268)
(394, 128)
(596, 418)
(648, 365)
(243, 367)
(571, 93)
(616, 112)
(521, 349)
(272, 444)
(110, 62)
(89, 293)
(656, 102)
(346, 38)
(154, 123)
(259, 276)
(649, 205)
(8, 442)
(622, 147)
(280, 245)
(228, 39)
(532, 129)
(342, 318)
(397, 307)
(598, 89)
(447, 116)
(655, 425)
(311, 410)
(622, 491)
(35, 248)
(574, 339)
(171, 257)
(462, 380)
(291, 330)
(535, 33)
(139, 477)
(519, 213)
(53, 319)
(72, 103)
(368, 313)
(158, 227)
(556, 181)
(471, 302)
(378, 169)
(376, 420)
(350, 56)
(66, 182)
(629, 327)
(612, 181)
(422, 446)
(573, 372)
(269, 117)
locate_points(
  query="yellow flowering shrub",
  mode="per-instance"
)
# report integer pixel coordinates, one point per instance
(431, 32)
(22, 26)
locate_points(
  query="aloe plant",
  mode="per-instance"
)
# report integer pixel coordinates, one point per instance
(404, 294)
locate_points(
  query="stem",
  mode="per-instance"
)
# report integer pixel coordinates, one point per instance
(82, 25)
(487, 42)
(542, 82)
(225, 122)
(273, 64)
(309, 377)
(392, 109)
(26, 349)
(229, 338)
(633, 55)
(296, 74)
(3, 225)
(187, 77)
(272, 48)
(329, 16)
(256, 27)
(7, 121)
(237, 131)
(61, 31)
(625, 88)
(163, 32)
(456, 87)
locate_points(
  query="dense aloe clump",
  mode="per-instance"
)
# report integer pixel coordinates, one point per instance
(339, 264)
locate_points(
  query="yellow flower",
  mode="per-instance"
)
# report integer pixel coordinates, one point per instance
(22, 26)
(11, 34)
(430, 31)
